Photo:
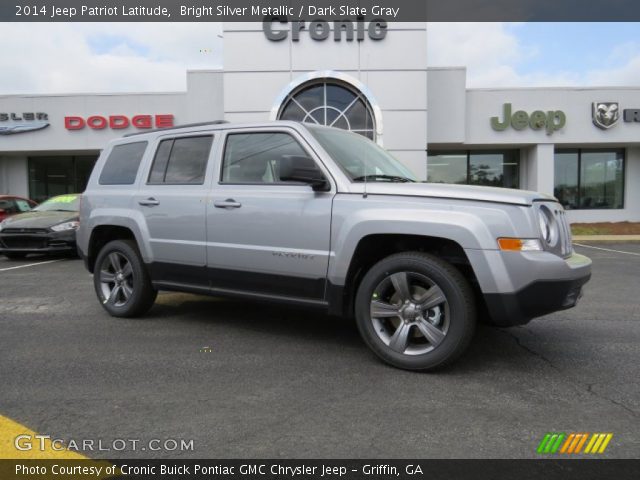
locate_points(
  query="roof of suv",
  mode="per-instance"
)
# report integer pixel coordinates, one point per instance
(218, 124)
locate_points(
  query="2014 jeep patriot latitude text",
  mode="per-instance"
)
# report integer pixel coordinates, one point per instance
(325, 218)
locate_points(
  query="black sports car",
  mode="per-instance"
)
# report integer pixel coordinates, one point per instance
(48, 228)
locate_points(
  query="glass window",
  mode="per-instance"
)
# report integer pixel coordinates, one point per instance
(122, 164)
(589, 179)
(566, 179)
(8, 206)
(61, 203)
(181, 161)
(488, 168)
(160, 162)
(449, 167)
(494, 169)
(329, 102)
(359, 157)
(256, 157)
(57, 175)
(23, 205)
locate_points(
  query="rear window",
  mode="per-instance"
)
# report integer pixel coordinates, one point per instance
(122, 165)
(181, 161)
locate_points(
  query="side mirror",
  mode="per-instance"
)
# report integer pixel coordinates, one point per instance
(300, 168)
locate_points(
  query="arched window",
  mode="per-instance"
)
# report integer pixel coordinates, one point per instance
(328, 101)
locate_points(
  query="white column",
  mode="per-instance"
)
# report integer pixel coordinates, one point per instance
(540, 172)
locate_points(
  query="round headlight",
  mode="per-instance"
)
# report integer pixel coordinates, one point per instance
(548, 226)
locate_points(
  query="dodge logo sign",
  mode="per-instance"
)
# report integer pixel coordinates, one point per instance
(605, 114)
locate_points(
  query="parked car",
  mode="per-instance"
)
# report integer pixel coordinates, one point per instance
(48, 228)
(12, 205)
(324, 218)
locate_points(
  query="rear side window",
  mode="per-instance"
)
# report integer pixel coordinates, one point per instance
(181, 161)
(122, 164)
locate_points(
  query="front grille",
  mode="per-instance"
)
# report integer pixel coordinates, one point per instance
(25, 230)
(24, 242)
(566, 247)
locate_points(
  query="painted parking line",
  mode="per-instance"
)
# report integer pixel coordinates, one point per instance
(607, 249)
(30, 265)
(39, 449)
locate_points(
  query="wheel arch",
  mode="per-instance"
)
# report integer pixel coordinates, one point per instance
(103, 234)
(372, 248)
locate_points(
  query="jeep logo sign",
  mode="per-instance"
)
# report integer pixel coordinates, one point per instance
(321, 29)
(550, 121)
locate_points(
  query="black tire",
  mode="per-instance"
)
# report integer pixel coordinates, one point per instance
(15, 255)
(456, 314)
(136, 293)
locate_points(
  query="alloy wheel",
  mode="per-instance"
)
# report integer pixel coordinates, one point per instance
(409, 313)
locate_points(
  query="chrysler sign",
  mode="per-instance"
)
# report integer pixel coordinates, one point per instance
(12, 122)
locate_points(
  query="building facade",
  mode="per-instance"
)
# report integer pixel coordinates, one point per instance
(580, 144)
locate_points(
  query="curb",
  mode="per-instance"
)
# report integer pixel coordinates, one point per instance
(606, 238)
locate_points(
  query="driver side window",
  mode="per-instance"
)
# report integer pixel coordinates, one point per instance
(258, 158)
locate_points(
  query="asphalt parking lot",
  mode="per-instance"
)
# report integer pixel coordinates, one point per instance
(276, 382)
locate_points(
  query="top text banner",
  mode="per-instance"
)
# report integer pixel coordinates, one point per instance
(328, 10)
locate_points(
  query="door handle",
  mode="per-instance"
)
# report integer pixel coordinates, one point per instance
(228, 203)
(149, 202)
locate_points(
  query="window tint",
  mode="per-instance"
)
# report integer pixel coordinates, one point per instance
(122, 165)
(160, 161)
(257, 157)
(181, 160)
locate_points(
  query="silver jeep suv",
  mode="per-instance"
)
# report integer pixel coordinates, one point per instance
(323, 218)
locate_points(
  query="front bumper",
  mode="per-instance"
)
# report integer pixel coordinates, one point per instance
(38, 242)
(542, 295)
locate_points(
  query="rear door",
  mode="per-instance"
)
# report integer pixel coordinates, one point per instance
(266, 236)
(172, 199)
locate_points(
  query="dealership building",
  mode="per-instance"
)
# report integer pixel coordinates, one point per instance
(580, 144)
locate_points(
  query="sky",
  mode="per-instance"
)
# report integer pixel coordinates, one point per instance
(152, 57)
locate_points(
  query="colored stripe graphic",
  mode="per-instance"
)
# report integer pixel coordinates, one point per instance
(598, 443)
(551, 442)
(573, 443)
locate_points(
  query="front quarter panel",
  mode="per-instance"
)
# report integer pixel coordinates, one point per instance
(472, 225)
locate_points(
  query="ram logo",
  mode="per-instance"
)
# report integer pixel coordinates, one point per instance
(605, 114)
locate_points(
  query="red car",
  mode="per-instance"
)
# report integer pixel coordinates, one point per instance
(10, 205)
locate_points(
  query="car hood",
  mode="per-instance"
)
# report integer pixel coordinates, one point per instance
(459, 192)
(38, 219)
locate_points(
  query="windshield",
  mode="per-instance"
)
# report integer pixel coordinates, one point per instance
(360, 158)
(61, 203)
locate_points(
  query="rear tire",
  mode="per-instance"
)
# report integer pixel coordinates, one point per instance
(121, 280)
(415, 311)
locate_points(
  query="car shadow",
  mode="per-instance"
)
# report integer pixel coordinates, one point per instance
(490, 348)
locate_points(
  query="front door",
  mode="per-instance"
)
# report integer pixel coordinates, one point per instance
(266, 236)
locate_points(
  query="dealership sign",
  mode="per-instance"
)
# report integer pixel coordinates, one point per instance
(321, 29)
(118, 122)
(12, 122)
(550, 121)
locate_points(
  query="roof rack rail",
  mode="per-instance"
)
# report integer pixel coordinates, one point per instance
(186, 125)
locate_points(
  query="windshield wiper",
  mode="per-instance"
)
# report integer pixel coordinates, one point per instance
(391, 178)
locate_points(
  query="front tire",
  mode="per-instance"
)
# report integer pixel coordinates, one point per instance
(415, 311)
(121, 280)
